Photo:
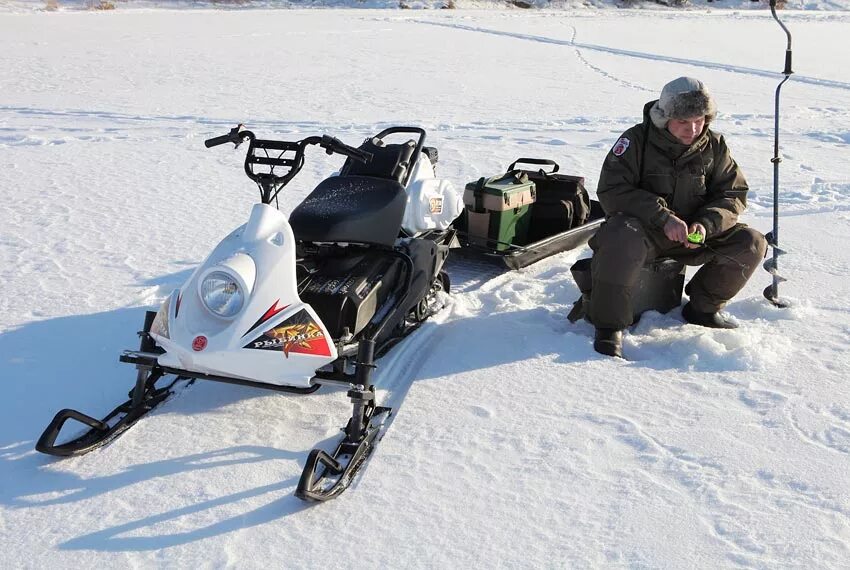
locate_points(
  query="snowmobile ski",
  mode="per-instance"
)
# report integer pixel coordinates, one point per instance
(143, 398)
(102, 432)
(325, 475)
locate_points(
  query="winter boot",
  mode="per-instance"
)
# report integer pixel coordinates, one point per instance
(710, 320)
(609, 342)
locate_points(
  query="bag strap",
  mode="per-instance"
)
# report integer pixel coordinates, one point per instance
(478, 192)
(538, 162)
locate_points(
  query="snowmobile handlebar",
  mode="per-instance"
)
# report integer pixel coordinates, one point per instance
(334, 145)
(288, 156)
(235, 136)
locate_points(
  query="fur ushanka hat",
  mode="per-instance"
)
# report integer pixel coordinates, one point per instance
(683, 98)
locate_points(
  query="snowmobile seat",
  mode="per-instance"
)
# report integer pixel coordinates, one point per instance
(351, 209)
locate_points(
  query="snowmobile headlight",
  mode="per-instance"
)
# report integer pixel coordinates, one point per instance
(222, 294)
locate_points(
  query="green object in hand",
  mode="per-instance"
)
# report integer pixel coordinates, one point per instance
(696, 237)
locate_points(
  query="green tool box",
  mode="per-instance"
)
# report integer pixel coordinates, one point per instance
(498, 210)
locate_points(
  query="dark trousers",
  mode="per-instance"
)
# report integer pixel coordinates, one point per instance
(623, 245)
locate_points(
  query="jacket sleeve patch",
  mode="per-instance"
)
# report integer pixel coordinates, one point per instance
(621, 146)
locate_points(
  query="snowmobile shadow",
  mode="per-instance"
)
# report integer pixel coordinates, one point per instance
(72, 362)
(114, 539)
(49, 488)
(66, 362)
(110, 539)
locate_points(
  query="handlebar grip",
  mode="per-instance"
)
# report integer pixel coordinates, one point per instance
(334, 145)
(331, 144)
(215, 141)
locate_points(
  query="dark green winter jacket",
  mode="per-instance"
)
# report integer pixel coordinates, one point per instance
(649, 174)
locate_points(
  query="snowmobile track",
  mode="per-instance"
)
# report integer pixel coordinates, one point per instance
(470, 273)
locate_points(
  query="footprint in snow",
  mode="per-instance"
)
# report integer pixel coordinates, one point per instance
(761, 401)
(481, 412)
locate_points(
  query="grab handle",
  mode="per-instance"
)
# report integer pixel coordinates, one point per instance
(537, 161)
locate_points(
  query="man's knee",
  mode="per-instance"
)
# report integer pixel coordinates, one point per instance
(756, 241)
(619, 251)
(622, 236)
(747, 245)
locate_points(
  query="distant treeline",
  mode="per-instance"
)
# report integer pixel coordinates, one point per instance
(52, 5)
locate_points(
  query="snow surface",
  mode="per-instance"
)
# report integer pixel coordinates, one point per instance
(514, 444)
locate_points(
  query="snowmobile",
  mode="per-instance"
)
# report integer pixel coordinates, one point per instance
(291, 305)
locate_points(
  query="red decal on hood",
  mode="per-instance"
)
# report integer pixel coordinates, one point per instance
(272, 311)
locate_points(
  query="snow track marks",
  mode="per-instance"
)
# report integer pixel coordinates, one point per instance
(637, 55)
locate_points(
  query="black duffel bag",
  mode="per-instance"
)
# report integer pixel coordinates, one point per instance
(562, 200)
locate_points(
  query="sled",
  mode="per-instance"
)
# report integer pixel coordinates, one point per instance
(524, 215)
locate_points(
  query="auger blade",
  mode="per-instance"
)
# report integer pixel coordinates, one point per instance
(771, 294)
(771, 241)
(770, 266)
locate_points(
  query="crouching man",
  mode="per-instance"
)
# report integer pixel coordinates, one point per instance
(665, 178)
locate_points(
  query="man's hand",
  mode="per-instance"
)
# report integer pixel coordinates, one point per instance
(676, 230)
(695, 229)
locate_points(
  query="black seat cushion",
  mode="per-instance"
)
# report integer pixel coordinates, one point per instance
(354, 209)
